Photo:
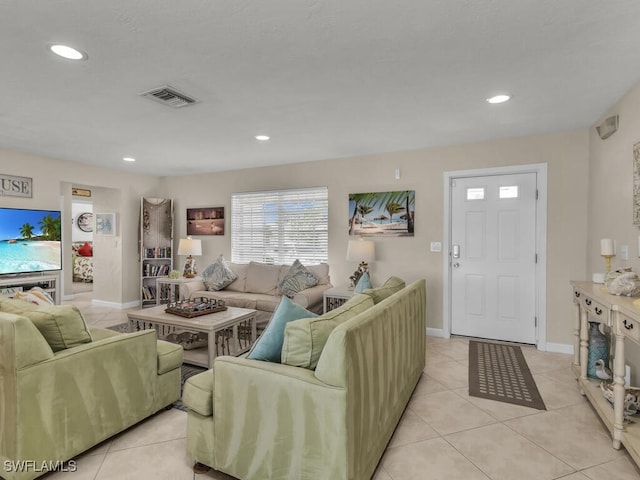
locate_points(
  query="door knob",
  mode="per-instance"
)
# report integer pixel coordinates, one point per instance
(456, 265)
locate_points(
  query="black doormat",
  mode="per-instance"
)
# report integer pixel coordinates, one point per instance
(499, 372)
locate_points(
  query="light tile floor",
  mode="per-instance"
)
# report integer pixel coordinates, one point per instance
(444, 433)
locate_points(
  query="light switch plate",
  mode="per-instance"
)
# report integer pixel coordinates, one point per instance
(436, 246)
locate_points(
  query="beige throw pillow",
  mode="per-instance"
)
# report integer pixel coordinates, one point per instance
(304, 339)
(391, 286)
(15, 306)
(262, 278)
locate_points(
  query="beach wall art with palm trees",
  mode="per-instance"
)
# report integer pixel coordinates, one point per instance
(389, 214)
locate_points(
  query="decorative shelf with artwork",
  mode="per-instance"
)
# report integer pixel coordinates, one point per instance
(156, 241)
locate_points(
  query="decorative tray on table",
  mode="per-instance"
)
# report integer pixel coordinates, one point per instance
(195, 307)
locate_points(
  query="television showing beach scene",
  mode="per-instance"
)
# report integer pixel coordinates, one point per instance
(382, 214)
(30, 240)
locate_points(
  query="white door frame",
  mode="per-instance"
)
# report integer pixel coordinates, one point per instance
(541, 243)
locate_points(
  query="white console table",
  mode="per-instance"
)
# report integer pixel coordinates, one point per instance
(335, 297)
(48, 282)
(593, 303)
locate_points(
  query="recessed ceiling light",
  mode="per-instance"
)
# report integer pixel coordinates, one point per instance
(262, 138)
(67, 52)
(129, 159)
(498, 99)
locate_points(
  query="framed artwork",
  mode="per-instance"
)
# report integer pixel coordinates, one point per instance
(205, 221)
(85, 222)
(636, 184)
(105, 223)
(388, 214)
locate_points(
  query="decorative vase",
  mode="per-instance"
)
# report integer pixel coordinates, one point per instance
(598, 348)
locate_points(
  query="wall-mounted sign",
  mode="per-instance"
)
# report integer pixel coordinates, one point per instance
(12, 186)
(80, 192)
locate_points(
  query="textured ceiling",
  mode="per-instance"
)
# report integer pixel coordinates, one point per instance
(324, 78)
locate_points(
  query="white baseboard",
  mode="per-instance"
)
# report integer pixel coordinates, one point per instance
(117, 306)
(436, 332)
(560, 348)
(550, 347)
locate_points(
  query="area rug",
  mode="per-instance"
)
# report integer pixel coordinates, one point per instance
(500, 372)
(187, 372)
(121, 327)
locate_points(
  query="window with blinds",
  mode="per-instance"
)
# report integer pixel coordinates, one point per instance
(281, 226)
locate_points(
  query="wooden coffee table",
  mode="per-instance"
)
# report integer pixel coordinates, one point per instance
(231, 332)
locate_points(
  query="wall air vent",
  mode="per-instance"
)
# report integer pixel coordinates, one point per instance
(169, 96)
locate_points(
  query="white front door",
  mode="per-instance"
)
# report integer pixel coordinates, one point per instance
(493, 257)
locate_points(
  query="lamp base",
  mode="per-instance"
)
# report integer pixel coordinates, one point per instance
(353, 279)
(190, 268)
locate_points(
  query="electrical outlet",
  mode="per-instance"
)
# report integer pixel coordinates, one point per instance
(436, 246)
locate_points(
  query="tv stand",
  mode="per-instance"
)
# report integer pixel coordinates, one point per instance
(48, 282)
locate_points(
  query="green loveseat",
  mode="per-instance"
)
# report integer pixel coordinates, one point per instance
(57, 404)
(258, 420)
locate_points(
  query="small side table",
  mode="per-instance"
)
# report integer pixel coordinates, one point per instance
(170, 289)
(334, 297)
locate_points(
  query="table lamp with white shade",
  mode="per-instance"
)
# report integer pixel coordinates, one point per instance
(363, 251)
(190, 247)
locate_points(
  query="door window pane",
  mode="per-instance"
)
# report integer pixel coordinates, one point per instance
(509, 192)
(476, 193)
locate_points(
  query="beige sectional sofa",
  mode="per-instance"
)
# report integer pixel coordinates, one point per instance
(255, 419)
(257, 287)
(65, 387)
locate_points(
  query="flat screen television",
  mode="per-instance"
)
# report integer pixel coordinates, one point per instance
(30, 241)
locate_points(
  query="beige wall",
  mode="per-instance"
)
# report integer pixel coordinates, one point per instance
(568, 167)
(611, 195)
(566, 155)
(113, 190)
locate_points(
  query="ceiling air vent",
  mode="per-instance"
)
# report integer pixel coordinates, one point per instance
(169, 96)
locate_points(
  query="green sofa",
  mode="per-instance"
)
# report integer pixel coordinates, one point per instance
(57, 401)
(260, 420)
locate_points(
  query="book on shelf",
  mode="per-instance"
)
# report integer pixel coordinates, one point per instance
(157, 252)
(148, 292)
(150, 270)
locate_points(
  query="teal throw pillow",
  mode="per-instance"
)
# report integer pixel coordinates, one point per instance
(269, 346)
(363, 283)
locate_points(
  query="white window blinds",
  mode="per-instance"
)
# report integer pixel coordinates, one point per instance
(281, 226)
